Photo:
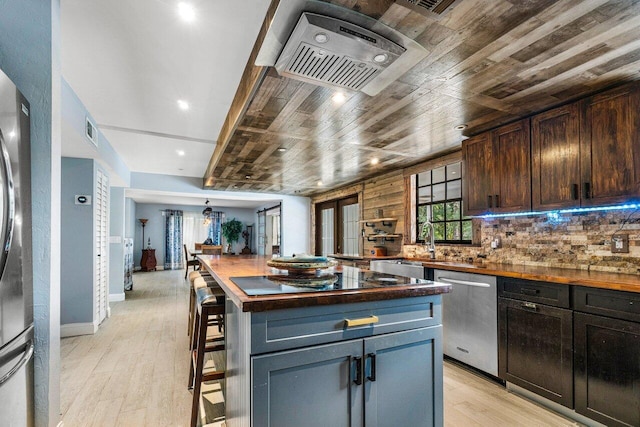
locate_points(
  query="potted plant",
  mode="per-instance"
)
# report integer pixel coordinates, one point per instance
(231, 231)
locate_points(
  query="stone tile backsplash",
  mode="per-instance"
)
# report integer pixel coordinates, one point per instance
(571, 240)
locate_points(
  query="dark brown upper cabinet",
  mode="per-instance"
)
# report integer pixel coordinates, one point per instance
(497, 170)
(555, 158)
(610, 146)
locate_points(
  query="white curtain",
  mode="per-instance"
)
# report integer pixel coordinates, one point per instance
(193, 228)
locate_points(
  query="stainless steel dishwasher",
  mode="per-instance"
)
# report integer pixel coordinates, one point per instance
(398, 267)
(470, 319)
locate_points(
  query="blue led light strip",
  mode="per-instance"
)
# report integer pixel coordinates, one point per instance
(562, 211)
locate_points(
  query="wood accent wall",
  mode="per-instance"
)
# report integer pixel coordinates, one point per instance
(391, 192)
(385, 192)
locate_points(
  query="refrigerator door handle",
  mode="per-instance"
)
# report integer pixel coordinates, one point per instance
(28, 353)
(9, 211)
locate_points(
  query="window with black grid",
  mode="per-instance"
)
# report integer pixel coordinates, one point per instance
(439, 200)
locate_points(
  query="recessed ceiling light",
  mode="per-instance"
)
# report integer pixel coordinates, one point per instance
(186, 12)
(247, 177)
(183, 105)
(441, 79)
(12, 134)
(380, 58)
(338, 98)
(180, 152)
(375, 161)
(461, 127)
(321, 38)
(319, 183)
(282, 149)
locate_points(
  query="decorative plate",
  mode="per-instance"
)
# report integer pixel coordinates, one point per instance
(305, 281)
(301, 264)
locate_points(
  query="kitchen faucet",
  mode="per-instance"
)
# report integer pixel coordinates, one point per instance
(432, 245)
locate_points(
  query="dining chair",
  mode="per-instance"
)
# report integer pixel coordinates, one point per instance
(190, 261)
(211, 249)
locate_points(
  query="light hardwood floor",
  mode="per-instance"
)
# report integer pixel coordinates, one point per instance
(133, 371)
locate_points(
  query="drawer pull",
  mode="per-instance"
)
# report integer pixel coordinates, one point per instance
(527, 291)
(530, 306)
(349, 323)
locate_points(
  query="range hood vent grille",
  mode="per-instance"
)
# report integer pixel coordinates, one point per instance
(331, 68)
(331, 52)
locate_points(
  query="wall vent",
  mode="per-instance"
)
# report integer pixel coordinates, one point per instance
(91, 132)
(431, 8)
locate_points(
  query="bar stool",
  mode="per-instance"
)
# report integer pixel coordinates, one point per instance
(210, 308)
(208, 281)
(192, 300)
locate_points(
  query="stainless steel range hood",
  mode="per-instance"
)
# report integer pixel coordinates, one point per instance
(324, 44)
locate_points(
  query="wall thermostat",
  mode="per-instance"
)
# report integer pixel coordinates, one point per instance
(83, 200)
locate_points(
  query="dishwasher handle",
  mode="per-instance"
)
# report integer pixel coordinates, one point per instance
(462, 282)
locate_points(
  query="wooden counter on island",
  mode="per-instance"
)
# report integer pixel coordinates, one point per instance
(223, 268)
(338, 357)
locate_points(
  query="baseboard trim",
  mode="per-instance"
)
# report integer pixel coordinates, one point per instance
(116, 297)
(75, 329)
(158, 268)
(569, 413)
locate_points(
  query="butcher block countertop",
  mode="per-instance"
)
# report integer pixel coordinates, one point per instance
(594, 279)
(222, 268)
(363, 258)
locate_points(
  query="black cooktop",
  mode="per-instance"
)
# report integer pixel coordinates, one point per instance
(348, 279)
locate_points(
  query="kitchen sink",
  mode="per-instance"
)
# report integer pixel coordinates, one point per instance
(399, 268)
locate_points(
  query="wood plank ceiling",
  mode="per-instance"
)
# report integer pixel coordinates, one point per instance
(490, 62)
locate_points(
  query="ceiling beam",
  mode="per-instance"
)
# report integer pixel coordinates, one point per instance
(249, 83)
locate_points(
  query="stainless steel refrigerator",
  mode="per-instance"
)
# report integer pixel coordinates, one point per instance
(16, 277)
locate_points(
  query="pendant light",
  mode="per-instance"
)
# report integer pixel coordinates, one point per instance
(206, 213)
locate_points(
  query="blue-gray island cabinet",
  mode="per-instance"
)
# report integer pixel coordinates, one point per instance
(368, 355)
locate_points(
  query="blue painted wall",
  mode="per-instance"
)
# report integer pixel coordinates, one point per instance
(74, 115)
(29, 55)
(77, 237)
(155, 226)
(116, 249)
(130, 218)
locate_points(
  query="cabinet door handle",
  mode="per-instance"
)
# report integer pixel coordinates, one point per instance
(497, 200)
(529, 306)
(372, 367)
(587, 190)
(575, 191)
(349, 323)
(527, 291)
(489, 201)
(358, 374)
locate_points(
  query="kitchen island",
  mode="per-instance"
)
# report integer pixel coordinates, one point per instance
(365, 351)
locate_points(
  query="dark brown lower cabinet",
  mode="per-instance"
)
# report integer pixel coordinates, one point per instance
(607, 369)
(535, 351)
